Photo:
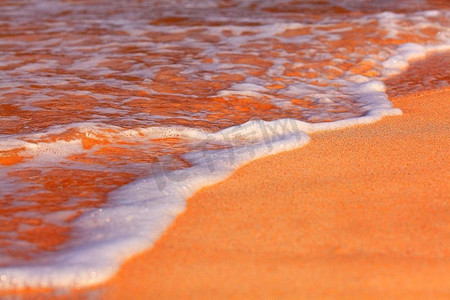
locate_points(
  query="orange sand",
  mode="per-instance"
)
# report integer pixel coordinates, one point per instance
(358, 213)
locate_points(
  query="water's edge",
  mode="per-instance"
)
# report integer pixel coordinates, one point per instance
(138, 213)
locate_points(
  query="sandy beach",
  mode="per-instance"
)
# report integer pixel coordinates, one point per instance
(359, 213)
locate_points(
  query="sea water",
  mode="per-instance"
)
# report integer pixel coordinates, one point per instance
(113, 113)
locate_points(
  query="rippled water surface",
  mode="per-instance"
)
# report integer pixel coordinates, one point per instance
(97, 94)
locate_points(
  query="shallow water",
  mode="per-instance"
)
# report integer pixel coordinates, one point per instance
(112, 114)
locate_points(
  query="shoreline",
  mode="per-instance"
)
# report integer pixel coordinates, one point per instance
(208, 202)
(368, 250)
(369, 246)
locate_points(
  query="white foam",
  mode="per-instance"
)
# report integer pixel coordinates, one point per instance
(137, 214)
(225, 93)
(248, 87)
(408, 52)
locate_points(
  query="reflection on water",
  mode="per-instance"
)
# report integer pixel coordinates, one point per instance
(84, 82)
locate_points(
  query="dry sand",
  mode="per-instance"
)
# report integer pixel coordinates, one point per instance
(358, 213)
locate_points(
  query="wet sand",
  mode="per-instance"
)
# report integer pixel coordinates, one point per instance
(358, 213)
